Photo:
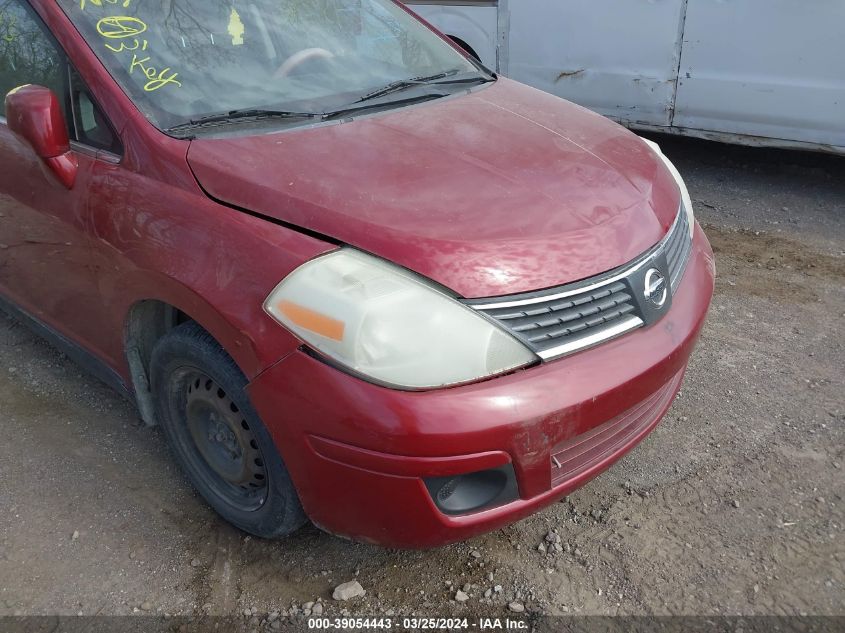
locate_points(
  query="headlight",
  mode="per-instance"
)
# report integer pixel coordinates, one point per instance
(389, 324)
(685, 197)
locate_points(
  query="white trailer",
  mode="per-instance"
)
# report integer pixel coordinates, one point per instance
(756, 72)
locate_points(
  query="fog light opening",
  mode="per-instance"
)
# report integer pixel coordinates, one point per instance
(472, 492)
(448, 490)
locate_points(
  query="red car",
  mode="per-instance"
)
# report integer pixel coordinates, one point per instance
(355, 276)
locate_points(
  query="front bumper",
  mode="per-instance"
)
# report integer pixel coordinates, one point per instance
(358, 452)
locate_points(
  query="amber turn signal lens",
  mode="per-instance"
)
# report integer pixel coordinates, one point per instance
(313, 321)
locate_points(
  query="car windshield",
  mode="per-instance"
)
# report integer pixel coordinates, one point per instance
(185, 60)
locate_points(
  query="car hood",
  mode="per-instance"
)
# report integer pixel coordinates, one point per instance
(501, 191)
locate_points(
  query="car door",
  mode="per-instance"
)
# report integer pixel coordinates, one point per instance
(45, 249)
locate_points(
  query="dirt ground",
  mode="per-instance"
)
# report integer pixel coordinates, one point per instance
(734, 505)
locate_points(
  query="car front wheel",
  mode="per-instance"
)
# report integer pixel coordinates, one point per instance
(217, 437)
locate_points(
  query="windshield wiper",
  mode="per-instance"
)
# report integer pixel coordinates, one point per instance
(431, 80)
(257, 114)
(254, 114)
(392, 103)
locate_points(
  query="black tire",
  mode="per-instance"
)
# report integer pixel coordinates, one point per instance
(217, 437)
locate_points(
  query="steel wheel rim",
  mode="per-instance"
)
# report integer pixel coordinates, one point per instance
(221, 444)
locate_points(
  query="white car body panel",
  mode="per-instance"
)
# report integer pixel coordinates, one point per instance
(776, 70)
(756, 72)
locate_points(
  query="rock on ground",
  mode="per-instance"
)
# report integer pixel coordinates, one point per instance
(348, 590)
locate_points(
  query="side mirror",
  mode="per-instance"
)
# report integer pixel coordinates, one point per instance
(34, 115)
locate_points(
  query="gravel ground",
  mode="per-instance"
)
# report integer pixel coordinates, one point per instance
(734, 505)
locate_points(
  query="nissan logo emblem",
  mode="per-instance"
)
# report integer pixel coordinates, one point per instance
(656, 290)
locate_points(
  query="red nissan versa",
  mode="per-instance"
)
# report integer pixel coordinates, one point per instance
(355, 276)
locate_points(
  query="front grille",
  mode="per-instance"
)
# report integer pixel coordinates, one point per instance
(566, 319)
(678, 246)
(549, 324)
(577, 455)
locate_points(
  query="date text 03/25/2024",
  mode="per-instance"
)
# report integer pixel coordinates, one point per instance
(417, 624)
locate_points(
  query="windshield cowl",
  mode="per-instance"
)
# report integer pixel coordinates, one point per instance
(367, 104)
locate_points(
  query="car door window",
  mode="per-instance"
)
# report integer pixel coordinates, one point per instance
(28, 55)
(90, 126)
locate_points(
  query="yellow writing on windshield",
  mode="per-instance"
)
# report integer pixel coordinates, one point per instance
(121, 26)
(236, 28)
(157, 79)
(134, 46)
(122, 33)
(99, 3)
